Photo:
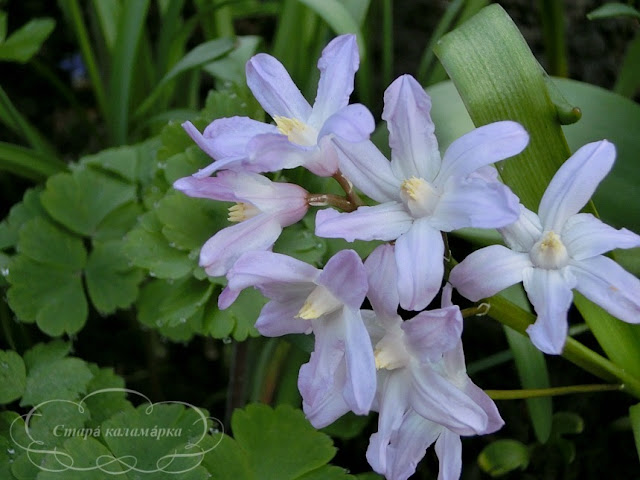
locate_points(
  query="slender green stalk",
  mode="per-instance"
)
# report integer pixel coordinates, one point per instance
(549, 392)
(88, 55)
(553, 33)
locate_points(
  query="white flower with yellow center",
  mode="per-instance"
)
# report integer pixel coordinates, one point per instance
(559, 250)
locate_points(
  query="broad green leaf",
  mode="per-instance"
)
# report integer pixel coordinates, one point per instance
(25, 42)
(328, 472)
(62, 379)
(238, 320)
(503, 456)
(105, 404)
(20, 214)
(151, 250)
(123, 161)
(299, 242)
(44, 242)
(111, 282)
(628, 80)
(82, 199)
(131, 433)
(612, 10)
(12, 376)
(118, 223)
(269, 443)
(46, 352)
(237, 100)
(348, 426)
(567, 423)
(50, 296)
(231, 68)
(189, 222)
(184, 164)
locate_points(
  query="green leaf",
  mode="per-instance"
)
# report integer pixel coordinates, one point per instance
(20, 214)
(200, 55)
(111, 282)
(25, 42)
(48, 244)
(46, 352)
(269, 443)
(348, 426)
(339, 19)
(118, 223)
(503, 456)
(189, 222)
(3, 26)
(567, 423)
(12, 376)
(123, 161)
(146, 247)
(82, 199)
(105, 404)
(612, 10)
(62, 379)
(231, 68)
(328, 472)
(185, 163)
(238, 320)
(299, 242)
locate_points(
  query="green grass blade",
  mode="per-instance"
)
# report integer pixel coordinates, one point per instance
(171, 23)
(634, 415)
(25, 42)
(130, 29)
(108, 13)
(28, 163)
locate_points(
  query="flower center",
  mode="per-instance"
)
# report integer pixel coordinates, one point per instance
(549, 252)
(296, 131)
(390, 352)
(242, 211)
(419, 196)
(319, 302)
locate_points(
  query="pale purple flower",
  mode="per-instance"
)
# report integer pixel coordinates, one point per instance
(340, 375)
(262, 209)
(424, 393)
(421, 195)
(558, 250)
(302, 134)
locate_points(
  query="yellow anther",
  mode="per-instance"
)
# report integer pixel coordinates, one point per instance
(241, 212)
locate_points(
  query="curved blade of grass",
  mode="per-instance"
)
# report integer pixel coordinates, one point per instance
(25, 42)
(200, 55)
(28, 163)
(612, 10)
(339, 19)
(108, 14)
(498, 78)
(634, 415)
(130, 28)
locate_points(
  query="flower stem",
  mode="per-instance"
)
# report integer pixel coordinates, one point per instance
(330, 200)
(347, 186)
(550, 392)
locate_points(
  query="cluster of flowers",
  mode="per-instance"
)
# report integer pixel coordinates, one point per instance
(412, 372)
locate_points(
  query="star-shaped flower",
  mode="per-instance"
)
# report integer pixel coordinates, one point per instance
(301, 134)
(558, 250)
(421, 195)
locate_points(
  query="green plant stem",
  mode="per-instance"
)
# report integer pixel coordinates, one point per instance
(553, 33)
(515, 317)
(88, 56)
(549, 392)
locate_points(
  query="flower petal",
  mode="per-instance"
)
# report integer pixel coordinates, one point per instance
(550, 294)
(345, 277)
(273, 88)
(586, 236)
(383, 285)
(419, 257)
(414, 148)
(439, 400)
(329, 406)
(524, 232)
(410, 445)
(606, 283)
(279, 318)
(434, 332)
(273, 152)
(472, 202)
(220, 187)
(449, 451)
(353, 123)
(482, 146)
(386, 221)
(360, 385)
(220, 252)
(369, 170)
(487, 271)
(338, 65)
(574, 183)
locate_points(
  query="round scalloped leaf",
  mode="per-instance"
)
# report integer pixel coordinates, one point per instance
(111, 282)
(503, 456)
(146, 247)
(299, 242)
(44, 242)
(30, 207)
(190, 222)
(61, 379)
(270, 443)
(123, 161)
(82, 199)
(52, 297)
(238, 320)
(185, 163)
(13, 376)
(118, 223)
